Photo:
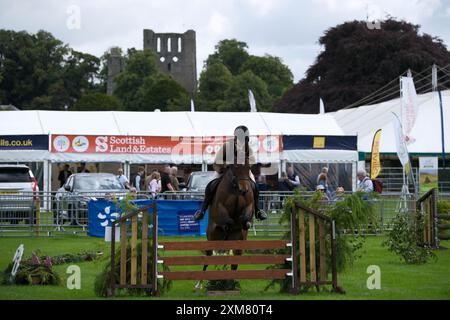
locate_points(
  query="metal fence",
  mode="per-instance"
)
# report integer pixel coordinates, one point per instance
(51, 213)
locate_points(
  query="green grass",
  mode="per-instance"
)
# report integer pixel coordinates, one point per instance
(399, 281)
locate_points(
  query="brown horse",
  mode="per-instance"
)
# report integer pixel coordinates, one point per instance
(231, 211)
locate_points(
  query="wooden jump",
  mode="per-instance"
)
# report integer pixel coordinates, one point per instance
(313, 235)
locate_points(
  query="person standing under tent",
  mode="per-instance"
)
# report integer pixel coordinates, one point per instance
(174, 179)
(166, 182)
(83, 168)
(138, 181)
(293, 178)
(64, 175)
(122, 179)
(154, 186)
(365, 184)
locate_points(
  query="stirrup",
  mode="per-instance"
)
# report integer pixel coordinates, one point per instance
(261, 215)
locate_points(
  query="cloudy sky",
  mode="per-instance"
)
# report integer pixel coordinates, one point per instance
(286, 28)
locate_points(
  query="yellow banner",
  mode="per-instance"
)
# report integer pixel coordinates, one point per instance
(375, 169)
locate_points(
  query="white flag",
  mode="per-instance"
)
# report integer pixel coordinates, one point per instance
(251, 99)
(410, 107)
(322, 107)
(402, 149)
(192, 106)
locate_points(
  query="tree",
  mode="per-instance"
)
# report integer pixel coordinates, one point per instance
(213, 85)
(141, 87)
(357, 61)
(231, 53)
(97, 101)
(272, 71)
(38, 71)
(237, 95)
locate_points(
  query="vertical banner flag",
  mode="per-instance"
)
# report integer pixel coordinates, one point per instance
(375, 168)
(429, 174)
(192, 106)
(402, 149)
(410, 107)
(322, 107)
(441, 105)
(251, 99)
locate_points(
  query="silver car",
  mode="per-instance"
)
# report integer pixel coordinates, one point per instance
(73, 198)
(18, 194)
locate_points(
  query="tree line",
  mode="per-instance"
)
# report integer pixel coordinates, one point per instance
(38, 71)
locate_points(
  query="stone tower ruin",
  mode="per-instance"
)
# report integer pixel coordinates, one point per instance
(177, 55)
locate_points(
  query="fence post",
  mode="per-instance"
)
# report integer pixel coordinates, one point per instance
(333, 256)
(295, 275)
(113, 262)
(38, 216)
(155, 291)
(434, 220)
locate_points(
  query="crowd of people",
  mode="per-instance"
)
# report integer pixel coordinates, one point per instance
(166, 180)
(153, 183)
(290, 181)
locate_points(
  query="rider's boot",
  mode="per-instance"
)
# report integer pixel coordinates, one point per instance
(209, 194)
(259, 213)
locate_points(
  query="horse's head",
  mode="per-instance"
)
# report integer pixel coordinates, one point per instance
(240, 179)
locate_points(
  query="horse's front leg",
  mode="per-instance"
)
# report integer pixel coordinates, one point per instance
(199, 285)
(236, 253)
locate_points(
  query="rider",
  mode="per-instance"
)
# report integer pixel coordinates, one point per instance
(241, 139)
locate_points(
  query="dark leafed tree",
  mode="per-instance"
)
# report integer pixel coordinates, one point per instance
(356, 61)
(38, 71)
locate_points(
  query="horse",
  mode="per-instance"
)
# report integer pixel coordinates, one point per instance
(232, 209)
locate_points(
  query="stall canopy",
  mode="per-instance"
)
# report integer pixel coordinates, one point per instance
(71, 132)
(427, 133)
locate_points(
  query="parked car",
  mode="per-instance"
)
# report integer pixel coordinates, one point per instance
(18, 194)
(198, 181)
(72, 199)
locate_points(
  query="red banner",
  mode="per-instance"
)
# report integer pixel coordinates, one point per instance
(155, 145)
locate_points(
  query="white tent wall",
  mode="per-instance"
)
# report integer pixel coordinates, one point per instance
(163, 124)
(365, 121)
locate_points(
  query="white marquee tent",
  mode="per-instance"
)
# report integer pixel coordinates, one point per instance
(365, 121)
(163, 124)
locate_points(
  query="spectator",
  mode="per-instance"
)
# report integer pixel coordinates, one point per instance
(324, 172)
(166, 183)
(321, 188)
(83, 169)
(322, 180)
(339, 195)
(260, 178)
(284, 184)
(154, 186)
(122, 179)
(293, 178)
(138, 181)
(174, 179)
(64, 175)
(365, 184)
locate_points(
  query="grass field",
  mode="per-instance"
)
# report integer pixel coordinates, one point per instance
(399, 281)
